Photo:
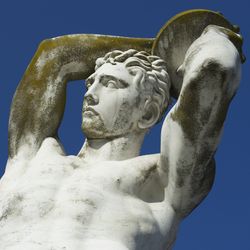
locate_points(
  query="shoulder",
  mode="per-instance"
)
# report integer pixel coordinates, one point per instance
(49, 147)
(143, 166)
(151, 159)
(51, 144)
(50, 153)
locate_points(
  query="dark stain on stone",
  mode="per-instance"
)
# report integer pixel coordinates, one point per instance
(74, 165)
(183, 172)
(12, 207)
(118, 181)
(45, 208)
(190, 114)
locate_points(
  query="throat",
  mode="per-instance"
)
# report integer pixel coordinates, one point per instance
(114, 149)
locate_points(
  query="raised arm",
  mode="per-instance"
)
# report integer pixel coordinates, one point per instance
(38, 104)
(192, 129)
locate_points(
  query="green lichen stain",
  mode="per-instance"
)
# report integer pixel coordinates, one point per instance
(87, 48)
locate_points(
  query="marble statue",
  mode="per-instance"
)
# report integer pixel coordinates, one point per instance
(108, 196)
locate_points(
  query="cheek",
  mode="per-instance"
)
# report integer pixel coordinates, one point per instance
(109, 106)
(124, 118)
(128, 114)
(118, 109)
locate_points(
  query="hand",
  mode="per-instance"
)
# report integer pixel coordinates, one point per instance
(232, 35)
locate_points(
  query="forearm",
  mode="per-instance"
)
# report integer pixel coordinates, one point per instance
(74, 56)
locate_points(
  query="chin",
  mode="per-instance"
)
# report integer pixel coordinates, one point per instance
(94, 128)
(94, 131)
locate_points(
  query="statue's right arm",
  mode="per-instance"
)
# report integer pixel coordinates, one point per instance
(192, 129)
(38, 104)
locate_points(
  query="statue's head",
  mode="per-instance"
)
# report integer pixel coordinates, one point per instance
(127, 93)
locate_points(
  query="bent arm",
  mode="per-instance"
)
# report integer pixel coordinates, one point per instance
(192, 129)
(38, 105)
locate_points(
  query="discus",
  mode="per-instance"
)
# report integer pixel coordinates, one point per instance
(176, 36)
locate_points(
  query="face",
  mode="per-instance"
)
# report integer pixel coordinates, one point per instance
(112, 105)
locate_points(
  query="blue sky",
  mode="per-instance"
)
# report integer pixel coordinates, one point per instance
(222, 221)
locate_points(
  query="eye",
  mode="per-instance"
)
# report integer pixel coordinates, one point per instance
(111, 84)
(88, 85)
(89, 82)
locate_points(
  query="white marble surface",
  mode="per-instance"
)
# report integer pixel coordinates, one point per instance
(109, 197)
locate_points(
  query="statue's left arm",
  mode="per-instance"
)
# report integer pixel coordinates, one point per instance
(38, 105)
(192, 129)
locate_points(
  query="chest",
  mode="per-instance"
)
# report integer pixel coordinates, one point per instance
(67, 184)
(66, 198)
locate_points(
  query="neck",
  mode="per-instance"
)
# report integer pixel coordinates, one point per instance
(115, 149)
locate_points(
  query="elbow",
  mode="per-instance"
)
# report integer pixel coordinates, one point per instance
(220, 67)
(226, 71)
(217, 55)
(45, 46)
(222, 60)
(47, 52)
(214, 73)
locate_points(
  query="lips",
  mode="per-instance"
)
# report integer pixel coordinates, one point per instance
(89, 110)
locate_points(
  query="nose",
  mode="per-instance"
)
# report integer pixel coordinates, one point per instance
(91, 99)
(91, 96)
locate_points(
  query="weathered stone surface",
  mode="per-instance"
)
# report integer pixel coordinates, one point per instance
(108, 196)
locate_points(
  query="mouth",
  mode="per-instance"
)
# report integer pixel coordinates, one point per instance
(89, 111)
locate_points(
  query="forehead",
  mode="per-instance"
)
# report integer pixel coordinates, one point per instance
(117, 70)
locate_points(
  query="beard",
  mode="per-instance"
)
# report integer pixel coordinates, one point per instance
(93, 126)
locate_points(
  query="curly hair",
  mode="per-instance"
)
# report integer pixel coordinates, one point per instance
(154, 78)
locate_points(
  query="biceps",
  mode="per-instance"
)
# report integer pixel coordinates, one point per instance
(189, 166)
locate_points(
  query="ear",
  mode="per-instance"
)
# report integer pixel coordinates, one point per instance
(150, 115)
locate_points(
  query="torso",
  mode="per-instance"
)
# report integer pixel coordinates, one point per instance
(62, 202)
